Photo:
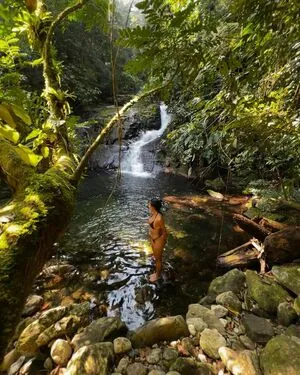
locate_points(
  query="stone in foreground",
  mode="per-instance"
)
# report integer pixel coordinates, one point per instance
(258, 329)
(162, 329)
(240, 363)
(281, 356)
(231, 281)
(211, 341)
(103, 329)
(92, 360)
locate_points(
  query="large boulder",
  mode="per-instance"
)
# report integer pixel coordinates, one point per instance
(231, 281)
(240, 363)
(281, 356)
(266, 292)
(66, 326)
(258, 329)
(283, 246)
(161, 329)
(27, 341)
(208, 316)
(288, 276)
(103, 329)
(92, 360)
(211, 341)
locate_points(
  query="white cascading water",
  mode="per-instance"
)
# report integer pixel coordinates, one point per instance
(133, 163)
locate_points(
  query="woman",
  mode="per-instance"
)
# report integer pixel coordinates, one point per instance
(158, 235)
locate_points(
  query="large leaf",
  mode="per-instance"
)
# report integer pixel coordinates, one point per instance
(6, 116)
(9, 133)
(28, 156)
(21, 113)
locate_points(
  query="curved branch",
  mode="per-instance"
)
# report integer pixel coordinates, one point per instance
(84, 161)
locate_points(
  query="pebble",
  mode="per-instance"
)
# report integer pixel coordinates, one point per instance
(122, 345)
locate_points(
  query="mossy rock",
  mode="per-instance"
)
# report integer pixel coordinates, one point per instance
(288, 276)
(266, 292)
(188, 366)
(231, 281)
(281, 356)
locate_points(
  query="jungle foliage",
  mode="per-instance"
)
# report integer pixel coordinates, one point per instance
(235, 68)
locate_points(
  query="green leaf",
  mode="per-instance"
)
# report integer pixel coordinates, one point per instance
(21, 113)
(35, 133)
(28, 156)
(9, 133)
(6, 116)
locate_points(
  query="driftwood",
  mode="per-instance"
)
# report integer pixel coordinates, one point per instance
(276, 243)
(251, 227)
(238, 256)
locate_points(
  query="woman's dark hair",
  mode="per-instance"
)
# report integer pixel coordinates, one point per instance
(156, 203)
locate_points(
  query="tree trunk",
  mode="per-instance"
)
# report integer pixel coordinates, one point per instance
(239, 256)
(32, 222)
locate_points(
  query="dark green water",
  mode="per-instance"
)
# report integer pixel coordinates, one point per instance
(107, 242)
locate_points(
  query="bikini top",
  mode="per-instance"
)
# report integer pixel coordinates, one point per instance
(152, 223)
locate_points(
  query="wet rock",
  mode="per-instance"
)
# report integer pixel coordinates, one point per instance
(123, 364)
(154, 356)
(247, 342)
(61, 352)
(188, 366)
(9, 359)
(169, 328)
(293, 330)
(15, 367)
(27, 340)
(99, 330)
(91, 360)
(230, 301)
(266, 292)
(258, 329)
(208, 316)
(219, 310)
(66, 326)
(122, 345)
(211, 341)
(286, 314)
(231, 281)
(136, 369)
(33, 304)
(196, 325)
(240, 363)
(281, 356)
(288, 276)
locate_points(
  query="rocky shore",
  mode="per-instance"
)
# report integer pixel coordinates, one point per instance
(247, 324)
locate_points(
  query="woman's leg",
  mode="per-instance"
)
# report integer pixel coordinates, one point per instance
(157, 248)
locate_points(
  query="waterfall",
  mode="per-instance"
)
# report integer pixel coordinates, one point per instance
(133, 162)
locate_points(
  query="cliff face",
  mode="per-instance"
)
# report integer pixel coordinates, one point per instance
(138, 119)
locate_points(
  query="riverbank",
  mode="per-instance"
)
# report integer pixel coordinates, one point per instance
(237, 328)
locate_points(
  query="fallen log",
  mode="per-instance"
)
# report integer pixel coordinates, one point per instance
(271, 225)
(251, 227)
(239, 256)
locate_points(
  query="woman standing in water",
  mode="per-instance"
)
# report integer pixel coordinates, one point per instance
(158, 235)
